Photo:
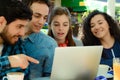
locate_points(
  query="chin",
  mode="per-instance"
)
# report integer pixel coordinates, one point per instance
(13, 43)
(37, 31)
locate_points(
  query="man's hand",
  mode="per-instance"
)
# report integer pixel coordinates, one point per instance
(21, 61)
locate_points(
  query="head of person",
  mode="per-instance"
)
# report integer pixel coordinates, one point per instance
(97, 26)
(60, 25)
(17, 16)
(40, 10)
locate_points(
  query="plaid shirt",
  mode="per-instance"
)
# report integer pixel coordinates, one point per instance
(4, 62)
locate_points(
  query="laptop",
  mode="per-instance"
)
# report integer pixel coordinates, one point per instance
(76, 63)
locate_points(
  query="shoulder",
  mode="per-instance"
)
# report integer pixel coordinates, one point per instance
(42, 38)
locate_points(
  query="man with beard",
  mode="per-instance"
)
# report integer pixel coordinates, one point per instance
(14, 15)
(37, 44)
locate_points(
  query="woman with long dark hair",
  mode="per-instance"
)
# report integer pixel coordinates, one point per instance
(101, 29)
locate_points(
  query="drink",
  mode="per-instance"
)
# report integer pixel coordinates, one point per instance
(116, 68)
(102, 70)
(14, 76)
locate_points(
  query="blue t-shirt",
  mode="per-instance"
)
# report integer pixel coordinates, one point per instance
(107, 57)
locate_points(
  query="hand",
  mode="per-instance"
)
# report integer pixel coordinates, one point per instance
(2, 23)
(21, 61)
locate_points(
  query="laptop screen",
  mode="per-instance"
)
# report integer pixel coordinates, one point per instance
(76, 63)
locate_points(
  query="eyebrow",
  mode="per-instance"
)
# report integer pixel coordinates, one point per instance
(21, 25)
(37, 13)
(97, 21)
(100, 20)
(58, 22)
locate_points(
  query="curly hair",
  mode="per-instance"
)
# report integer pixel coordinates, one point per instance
(89, 38)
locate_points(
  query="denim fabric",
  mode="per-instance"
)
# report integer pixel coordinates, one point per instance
(4, 62)
(41, 47)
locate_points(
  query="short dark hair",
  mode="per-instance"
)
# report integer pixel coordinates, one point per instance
(14, 9)
(30, 2)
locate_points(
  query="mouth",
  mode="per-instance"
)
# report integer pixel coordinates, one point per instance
(98, 32)
(60, 34)
(16, 39)
(38, 27)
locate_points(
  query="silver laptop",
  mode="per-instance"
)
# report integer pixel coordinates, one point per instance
(76, 63)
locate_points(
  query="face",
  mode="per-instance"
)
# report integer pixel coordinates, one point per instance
(99, 27)
(60, 27)
(39, 17)
(13, 31)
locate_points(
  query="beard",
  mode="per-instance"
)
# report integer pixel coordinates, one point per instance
(7, 37)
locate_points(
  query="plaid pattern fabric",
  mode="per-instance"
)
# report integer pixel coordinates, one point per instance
(4, 62)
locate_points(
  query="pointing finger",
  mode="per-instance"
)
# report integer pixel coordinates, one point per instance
(32, 60)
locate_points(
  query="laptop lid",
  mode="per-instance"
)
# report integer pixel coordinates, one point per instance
(76, 63)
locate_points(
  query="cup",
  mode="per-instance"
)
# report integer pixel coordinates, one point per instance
(14, 76)
(116, 68)
(102, 70)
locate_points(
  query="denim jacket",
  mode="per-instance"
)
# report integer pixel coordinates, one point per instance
(41, 47)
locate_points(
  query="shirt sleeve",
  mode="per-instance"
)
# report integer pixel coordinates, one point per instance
(4, 63)
(49, 60)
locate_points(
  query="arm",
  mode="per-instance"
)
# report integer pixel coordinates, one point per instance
(49, 61)
(14, 61)
(21, 61)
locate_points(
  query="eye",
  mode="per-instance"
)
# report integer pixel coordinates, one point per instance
(37, 16)
(66, 24)
(92, 25)
(56, 24)
(45, 18)
(100, 22)
(20, 26)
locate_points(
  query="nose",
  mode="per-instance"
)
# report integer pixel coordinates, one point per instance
(60, 27)
(96, 26)
(41, 21)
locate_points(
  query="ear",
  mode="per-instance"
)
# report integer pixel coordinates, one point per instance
(2, 20)
(2, 23)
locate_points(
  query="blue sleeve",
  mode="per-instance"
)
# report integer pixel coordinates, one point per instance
(4, 63)
(49, 60)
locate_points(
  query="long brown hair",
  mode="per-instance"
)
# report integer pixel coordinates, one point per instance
(60, 11)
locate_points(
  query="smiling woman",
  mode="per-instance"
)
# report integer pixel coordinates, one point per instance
(100, 29)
